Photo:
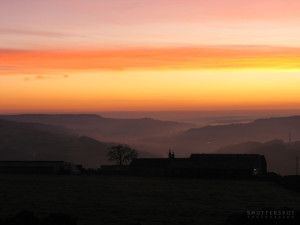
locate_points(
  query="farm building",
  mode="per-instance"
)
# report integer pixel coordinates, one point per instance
(38, 167)
(202, 165)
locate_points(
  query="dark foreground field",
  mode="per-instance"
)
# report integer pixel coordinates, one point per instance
(131, 200)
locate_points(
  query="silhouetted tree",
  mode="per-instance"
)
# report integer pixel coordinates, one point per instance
(122, 154)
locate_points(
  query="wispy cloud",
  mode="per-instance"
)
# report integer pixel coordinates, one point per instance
(38, 33)
(45, 77)
(215, 58)
(7, 68)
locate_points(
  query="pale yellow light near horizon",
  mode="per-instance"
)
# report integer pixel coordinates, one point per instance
(151, 90)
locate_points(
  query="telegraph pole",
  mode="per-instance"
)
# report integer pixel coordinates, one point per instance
(297, 165)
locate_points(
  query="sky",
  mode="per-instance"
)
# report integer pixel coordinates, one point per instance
(98, 55)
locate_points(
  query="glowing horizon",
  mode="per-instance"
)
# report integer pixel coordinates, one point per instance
(149, 55)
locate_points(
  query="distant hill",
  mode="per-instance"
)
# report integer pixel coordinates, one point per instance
(61, 137)
(140, 133)
(31, 141)
(211, 138)
(281, 156)
(107, 129)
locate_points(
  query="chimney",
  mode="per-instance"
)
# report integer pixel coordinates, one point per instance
(170, 154)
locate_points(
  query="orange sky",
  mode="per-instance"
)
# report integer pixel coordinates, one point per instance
(82, 56)
(197, 58)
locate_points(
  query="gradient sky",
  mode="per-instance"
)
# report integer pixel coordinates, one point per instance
(95, 55)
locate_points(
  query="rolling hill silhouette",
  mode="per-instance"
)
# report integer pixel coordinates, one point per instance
(31, 141)
(60, 136)
(106, 129)
(211, 138)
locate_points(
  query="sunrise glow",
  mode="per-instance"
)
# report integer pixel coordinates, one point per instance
(83, 56)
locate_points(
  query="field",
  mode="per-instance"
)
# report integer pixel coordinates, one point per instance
(133, 200)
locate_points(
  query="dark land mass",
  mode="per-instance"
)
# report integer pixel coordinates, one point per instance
(280, 155)
(155, 138)
(138, 133)
(211, 138)
(104, 128)
(126, 200)
(158, 136)
(31, 141)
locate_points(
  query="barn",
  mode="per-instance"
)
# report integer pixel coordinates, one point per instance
(38, 167)
(202, 165)
(229, 164)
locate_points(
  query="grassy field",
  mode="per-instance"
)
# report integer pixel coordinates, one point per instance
(129, 200)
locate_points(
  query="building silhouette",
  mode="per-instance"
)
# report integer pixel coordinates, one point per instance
(202, 165)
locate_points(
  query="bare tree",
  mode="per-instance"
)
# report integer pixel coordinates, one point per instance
(121, 154)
